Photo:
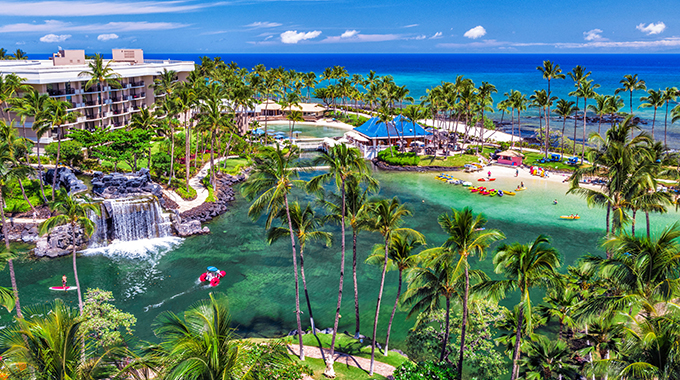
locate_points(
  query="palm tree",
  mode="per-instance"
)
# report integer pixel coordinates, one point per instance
(10, 85)
(19, 54)
(144, 120)
(16, 146)
(186, 99)
(74, 212)
(273, 176)
(548, 359)
(654, 99)
(401, 259)
(550, 71)
(668, 95)
(578, 74)
(101, 73)
(294, 116)
(564, 109)
(50, 344)
(213, 119)
(600, 108)
(6, 295)
(57, 114)
(35, 106)
(519, 102)
(343, 162)
(485, 103)
(414, 113)
(387, 215)
(201, 343)
(357, 208)
(586, 91)
(524, 266)
(164, 83)
(631, 83)
(306, 224)
(560, 303)
(467, 237)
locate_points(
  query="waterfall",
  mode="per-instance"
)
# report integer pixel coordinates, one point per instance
(134, 226)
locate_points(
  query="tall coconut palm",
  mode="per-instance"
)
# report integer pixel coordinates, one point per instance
(600, 109)
(74, 212)
(578, 74)
(357, 207)
(101, 73)
(486, 103)
(6, 163)
(306, 224)
(414, 113)
(57, 115)
(400, 259)
(145, 120)
(654, 99)
(586, 91)
(669, 95)
(548, 359)
(213, 118)
(342, 162)
(388, 216)
(16, 147)
(164, 83)
(185, 101)
(201, 343)
(550, 71)
(467, 236)
(525, 267)
(519, 102)
(631, 83)
(273, 176)
(564, 109)
(35, 105)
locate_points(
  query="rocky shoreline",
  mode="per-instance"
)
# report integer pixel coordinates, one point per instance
(385, 166)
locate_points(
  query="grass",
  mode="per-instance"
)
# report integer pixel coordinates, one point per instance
(233, 165)
(531, 159)
(342, 372)
(14, 200)
(349, 345)
(457, 160)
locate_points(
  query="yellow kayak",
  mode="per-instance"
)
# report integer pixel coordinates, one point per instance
(508, 192)
(570, 217)
(520, 188)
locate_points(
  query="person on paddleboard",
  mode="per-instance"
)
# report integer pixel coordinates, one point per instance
(63, 281)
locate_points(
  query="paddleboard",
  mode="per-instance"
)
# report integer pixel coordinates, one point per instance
(62, 289)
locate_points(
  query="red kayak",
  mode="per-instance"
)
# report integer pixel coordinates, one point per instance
(213, 276)
(63, 288)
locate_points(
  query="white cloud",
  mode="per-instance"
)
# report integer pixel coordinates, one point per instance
(96, 8)
(436, 36)
(52, 38)
(362, 38)
(52, 26)
(411, 26)
(476, 32)
(107, 37)
(349, 33)
(268, 37)
(419, 37)
(593, 35)
(262, 24)
(651, 28)
(293, 37)
(21, 43)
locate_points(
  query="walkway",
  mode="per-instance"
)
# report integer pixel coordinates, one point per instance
(195, 182)
(342, 358)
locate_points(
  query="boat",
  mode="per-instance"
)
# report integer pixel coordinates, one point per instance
(481, 179)
(572, 217)
(213, 275)
(63, 288)
(506, 192)
(477, 189)
(455, 181)
(491, 179)
(500, 193)
(466, 183)
(519, 188)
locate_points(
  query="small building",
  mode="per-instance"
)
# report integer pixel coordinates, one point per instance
(510, 157)
(310, 111)
(374, 135)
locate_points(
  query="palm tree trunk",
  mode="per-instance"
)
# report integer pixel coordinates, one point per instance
(519, 130)
(599, 124)
(23, 192)
(356, 287)
(330, 372)
(665, 125)
(75, 268)
(297, 286)
(609, 209)
(212, 161)
(187, 147)
(447, 327)
(518, 339)
(653, 122)
(575, 125)
(632, 226)
(463, 324)
(394, 310)
(585, 107)
(40, 172)
(647, 216)
(512, 128)
(377, 307)
(56, 164)
(172, 155)
(304, 287)
(564, 126)
(12, 275)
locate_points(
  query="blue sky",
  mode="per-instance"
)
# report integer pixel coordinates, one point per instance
(349, 26)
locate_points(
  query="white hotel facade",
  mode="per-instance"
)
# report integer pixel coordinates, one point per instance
(60, 78)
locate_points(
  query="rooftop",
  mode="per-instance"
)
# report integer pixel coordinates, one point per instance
(400, 126)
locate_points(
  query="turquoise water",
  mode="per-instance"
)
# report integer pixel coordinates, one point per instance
(306, 130)
(259, 281)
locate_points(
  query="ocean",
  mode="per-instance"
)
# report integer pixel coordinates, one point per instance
(419, 72)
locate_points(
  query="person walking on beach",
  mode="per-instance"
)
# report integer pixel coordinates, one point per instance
(516, 172)
(489, 173)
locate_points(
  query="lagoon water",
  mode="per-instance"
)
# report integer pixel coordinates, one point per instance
(259, 280)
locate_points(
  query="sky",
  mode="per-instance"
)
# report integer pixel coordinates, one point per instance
(345, 26)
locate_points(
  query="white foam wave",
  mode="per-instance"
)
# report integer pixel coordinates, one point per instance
(137, 249)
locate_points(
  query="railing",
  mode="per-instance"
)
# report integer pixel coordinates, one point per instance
(137, 96)
(90, 103)
(137, 84)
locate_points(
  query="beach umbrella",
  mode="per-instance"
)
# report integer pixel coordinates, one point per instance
(297, 132)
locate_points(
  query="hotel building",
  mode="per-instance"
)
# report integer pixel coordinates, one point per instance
(108, 107)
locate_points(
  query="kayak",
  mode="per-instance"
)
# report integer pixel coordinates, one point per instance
(570, 217)
(520, 188)
(505, 192)
(213, 275)
(63, 289)
(466, 184)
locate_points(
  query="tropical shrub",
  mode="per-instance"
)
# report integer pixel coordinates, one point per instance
(430, 370)
(398, 158)
(71, 151)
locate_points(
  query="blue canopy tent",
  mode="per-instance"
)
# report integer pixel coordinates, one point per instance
(399, 127)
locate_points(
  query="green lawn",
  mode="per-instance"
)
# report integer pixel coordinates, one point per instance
(347, 344)
(457, 160)
(342, 372)
(233, 165)
(531, 159)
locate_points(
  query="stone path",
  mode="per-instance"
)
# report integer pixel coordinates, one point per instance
(195, 182)
(345, 359)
